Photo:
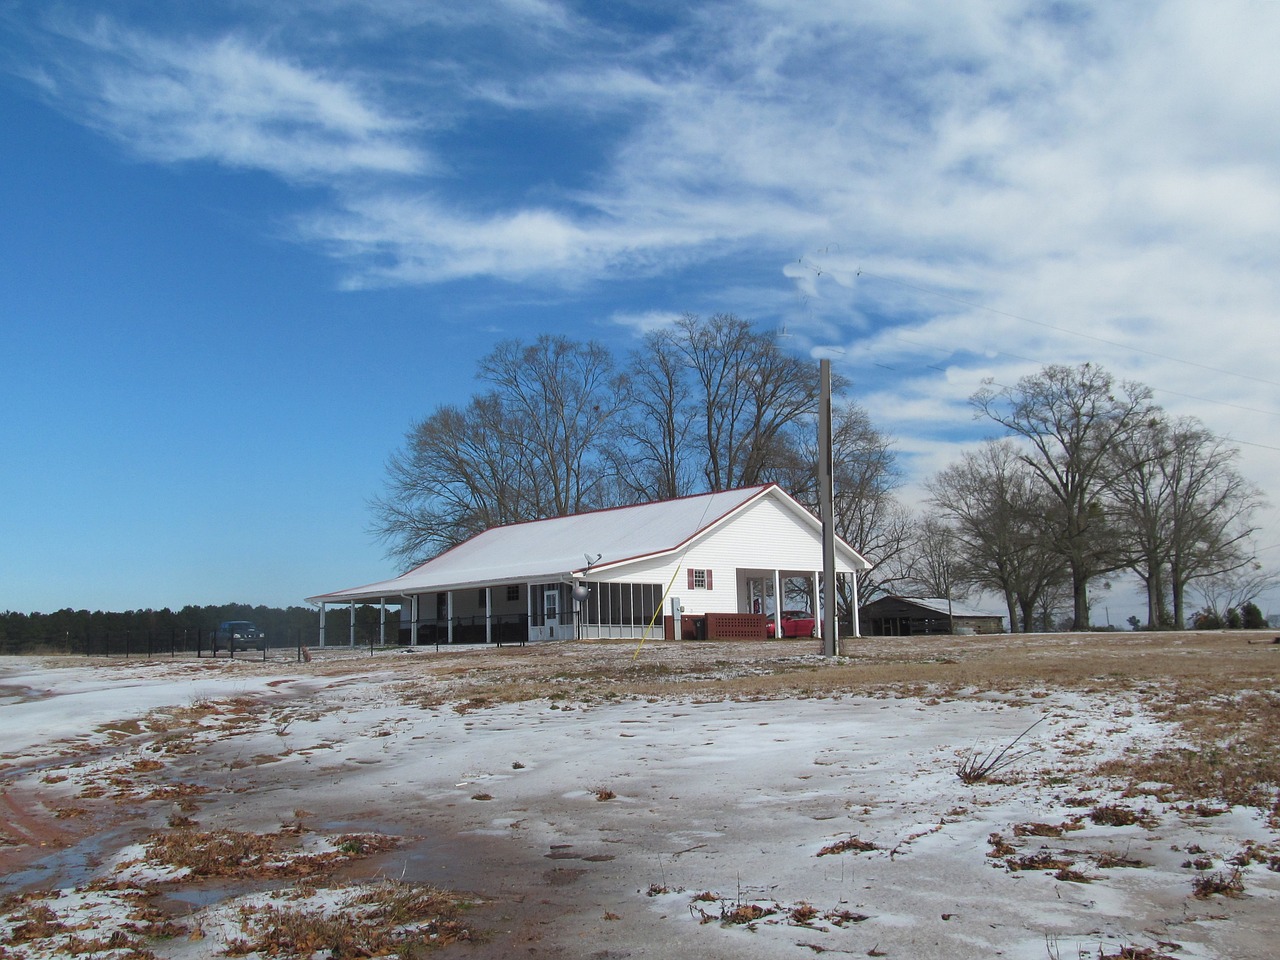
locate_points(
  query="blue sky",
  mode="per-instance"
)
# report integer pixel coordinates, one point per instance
(243, 245)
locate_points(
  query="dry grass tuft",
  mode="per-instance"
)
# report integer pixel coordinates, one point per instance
(394, 918)
(36, 922)
(1000, 847)
(1114, 815)
(1045, 829)
(1224, 884)
(850, 845)
(1072, 875)
(1040, 860)
(976, 768)
(744, 913)
(603, 793)
(1105, 861)
(235, 854)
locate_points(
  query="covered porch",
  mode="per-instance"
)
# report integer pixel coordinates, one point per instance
(594, 609)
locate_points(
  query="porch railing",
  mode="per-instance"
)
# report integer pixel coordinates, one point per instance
(505, 628)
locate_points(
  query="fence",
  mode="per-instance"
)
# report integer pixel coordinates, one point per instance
(148, 644)
(501, 629)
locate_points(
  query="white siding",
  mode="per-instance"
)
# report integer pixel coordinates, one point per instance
(764, 536)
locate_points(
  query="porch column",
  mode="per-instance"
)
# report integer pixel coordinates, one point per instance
(816, 605)
(777, 604)
(488, 614)
(413, 622)
(448, 613)
(322, 612)
(857, 617)
(528, 603)
(382, 621)
(351, 639)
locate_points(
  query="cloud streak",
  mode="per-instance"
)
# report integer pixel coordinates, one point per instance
(1109, 169)
(225, 101)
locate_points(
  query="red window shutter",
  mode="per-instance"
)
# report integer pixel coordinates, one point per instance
(708, 579)
(691, 578)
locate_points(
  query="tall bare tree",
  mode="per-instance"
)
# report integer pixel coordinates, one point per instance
(565, 396)
(461, 471)
(1000, 511)
(868, 515)
(1145, 506)
(1185, 512)
(1213, 506)
(749, 395)
(656, 460)
(531, 447)
(935, 564)
(1072, 417)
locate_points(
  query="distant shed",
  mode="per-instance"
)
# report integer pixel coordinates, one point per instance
(908, 616)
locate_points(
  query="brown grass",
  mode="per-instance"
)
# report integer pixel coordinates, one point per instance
(37, 921)
(1040, 860)
(1230, 758)
(849, 845)
(1106, 861)
(927, 666)
(1115, 815)
(1225, 884)
(397, 918)
(236, 854)
(1045, 829)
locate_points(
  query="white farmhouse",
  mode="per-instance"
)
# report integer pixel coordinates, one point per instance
(627, 572)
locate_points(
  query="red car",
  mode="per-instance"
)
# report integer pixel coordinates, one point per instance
(795, 623)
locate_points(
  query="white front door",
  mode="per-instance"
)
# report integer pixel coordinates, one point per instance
(760, 596)
(551, 610)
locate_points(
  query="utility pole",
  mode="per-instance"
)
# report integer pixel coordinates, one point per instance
(826, 507)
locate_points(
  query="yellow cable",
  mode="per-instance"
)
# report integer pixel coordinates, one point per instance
(661, 606)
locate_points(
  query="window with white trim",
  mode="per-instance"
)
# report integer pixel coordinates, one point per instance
(699, 579)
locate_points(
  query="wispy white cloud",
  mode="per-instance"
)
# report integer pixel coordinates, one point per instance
(647, 321)
(226, 101)
(946, 189)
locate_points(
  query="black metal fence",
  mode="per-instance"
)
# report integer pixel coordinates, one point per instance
(502, 629)
(151, 644)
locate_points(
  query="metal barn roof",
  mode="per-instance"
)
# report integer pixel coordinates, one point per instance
(561, 547)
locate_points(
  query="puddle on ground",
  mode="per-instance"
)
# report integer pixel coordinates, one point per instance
(72, 866)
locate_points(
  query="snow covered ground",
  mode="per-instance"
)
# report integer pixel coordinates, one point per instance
(603, 825)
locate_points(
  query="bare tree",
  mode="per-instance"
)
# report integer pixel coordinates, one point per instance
(1072, 417)
(461, 471)
(565, 396)
(1000, 511)
(1184, 510)
(1213, 506)
(532, 447)
(1230, 590)
(749, 396)
(935, 564)
(868, 515)
(1145, 506)
(655, 460)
